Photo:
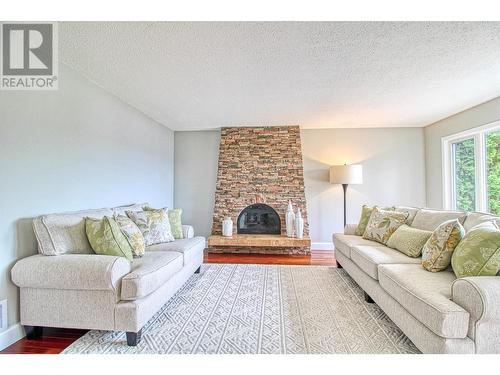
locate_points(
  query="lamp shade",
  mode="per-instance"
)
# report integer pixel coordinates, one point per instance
(346, 174)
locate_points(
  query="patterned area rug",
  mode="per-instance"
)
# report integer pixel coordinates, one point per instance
(248, 309)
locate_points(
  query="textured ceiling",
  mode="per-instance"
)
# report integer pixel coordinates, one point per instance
(206, 75)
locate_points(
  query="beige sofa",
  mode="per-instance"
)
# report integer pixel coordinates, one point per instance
(69, 286)
(439, 313)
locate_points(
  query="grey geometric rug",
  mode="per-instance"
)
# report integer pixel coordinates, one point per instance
(249, 309)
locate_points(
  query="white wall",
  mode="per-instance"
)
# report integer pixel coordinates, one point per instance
(393, 173)
(471, 118)
(393, 161)
(196, 156)
(72, 149)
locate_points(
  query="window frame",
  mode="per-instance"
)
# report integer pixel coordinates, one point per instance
(448, 165)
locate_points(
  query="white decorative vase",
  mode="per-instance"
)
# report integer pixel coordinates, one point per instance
(227, 227)
(290, 220)
(299, 225)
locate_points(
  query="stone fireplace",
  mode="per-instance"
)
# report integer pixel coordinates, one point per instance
(259, 171)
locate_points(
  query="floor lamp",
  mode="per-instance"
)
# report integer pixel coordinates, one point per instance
(346, 175)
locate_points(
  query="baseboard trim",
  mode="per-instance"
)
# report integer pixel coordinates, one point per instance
(11, 335)
(326, 246)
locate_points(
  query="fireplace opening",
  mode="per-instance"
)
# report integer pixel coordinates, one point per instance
(258, 218)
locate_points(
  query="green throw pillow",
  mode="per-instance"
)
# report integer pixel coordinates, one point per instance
(174, 216)
(383, 224)
(408, 240)
(437, 251)
(366, 212)
(106, 237)
(478, 254)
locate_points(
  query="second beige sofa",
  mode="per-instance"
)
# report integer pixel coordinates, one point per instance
(439, 313)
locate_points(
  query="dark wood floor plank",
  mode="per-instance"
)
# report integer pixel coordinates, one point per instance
(317, 257)
(55, 340)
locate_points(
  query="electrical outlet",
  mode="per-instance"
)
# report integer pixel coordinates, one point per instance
(3, 315)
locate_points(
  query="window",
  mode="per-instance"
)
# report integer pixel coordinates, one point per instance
(471, 170)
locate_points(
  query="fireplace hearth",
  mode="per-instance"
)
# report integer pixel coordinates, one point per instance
(258, 218)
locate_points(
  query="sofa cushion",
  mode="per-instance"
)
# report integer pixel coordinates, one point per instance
(187, 231)
(368, 258)
(475, 218)
(121, 210)
(350, 228)
(412, 212)
(188, 247)
(426, 296)
(64, 233)
(344, 242)
(430, 219)
(149, 273)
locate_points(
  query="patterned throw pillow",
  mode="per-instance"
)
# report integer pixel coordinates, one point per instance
(133, 234)
(383, 224)
(366, 212)
(154, 225)
(106, 238)
(478, 254)
(408, 240)
(174, 216)
(437, 251)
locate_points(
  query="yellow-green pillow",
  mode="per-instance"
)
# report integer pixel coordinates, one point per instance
(366, 212)
(106, 238)
(408, 240)
(174, 215)
(437, 251)
(478, 254)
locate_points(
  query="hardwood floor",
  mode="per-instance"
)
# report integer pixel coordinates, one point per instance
(317, 257)
(55, 340)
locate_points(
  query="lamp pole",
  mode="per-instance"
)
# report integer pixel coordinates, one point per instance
(344, 186)
(346, 175)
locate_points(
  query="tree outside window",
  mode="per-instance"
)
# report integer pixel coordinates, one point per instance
(493, 171)
(471, 168)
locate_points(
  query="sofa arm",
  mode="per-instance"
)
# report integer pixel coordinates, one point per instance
(350, 229)
(187, 231)
(71, 271)
(480, 296)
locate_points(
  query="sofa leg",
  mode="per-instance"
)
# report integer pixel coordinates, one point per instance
(198, 270)
(338, 264)
(134, 338)
(33, 332)
(368, 298)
